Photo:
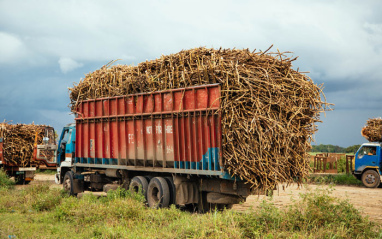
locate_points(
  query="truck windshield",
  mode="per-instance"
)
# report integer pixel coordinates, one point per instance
(367, 150)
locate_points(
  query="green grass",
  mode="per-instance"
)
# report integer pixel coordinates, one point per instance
(5, 182)
(339, 179)
(40, 212)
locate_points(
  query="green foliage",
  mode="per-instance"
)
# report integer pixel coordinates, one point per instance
(318, 210)
(341, 165)
(5, 181)
(36, 198)
(339, 179)
(40, 212)
(352, 149)
(317, 215)
(329, 148)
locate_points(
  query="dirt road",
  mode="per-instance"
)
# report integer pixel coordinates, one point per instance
(367, 200)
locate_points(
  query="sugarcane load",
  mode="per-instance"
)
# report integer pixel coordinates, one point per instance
(268, 109)
(203, 128)
(372, 131)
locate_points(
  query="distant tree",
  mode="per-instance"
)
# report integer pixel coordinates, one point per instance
(327, 148)
(352, 149)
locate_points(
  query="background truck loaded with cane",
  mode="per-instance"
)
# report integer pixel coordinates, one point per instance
(202, 127)
(23, 150)
(368, 159)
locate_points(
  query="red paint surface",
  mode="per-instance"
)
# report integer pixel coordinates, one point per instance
(154, 128)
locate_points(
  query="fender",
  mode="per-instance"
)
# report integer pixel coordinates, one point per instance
(362, 169)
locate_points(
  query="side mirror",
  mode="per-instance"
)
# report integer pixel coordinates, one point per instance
(63, 144)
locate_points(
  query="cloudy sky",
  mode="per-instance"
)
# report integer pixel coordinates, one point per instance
(45, 46)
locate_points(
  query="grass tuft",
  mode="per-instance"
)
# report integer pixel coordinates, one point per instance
(5, 181)
(339, 179)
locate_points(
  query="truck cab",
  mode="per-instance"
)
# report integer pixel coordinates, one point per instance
(368, 164)
(45, 154)
(65, 151)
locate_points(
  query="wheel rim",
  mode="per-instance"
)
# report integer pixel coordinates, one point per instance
(370, 179)
(155, 195)
(135, 188)
(67, 185)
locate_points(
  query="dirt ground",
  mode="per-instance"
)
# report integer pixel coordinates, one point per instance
(369, 201)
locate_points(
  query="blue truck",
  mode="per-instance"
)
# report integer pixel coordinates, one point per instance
(368, 163)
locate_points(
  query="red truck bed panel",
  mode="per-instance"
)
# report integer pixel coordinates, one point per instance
(172, 129)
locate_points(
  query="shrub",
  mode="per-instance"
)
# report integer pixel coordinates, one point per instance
(5, 181)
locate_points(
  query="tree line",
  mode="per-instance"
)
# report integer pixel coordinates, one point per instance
(329, 148)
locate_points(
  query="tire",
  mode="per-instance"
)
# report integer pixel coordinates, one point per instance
(20, 179)
(158, 193)
(148, 178)
(371, 179)
(139, 183)
(171, 187)
(67, 183)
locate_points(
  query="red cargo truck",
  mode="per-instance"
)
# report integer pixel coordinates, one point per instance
(169, 143)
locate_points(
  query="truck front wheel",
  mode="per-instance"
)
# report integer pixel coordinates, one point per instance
(371, 179)
(68, 183)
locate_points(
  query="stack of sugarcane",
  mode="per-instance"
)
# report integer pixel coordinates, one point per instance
(268, 109)
(373, 130)
(19, 140)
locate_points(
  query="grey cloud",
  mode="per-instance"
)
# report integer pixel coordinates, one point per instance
(11, 48)
(45, 46)
(67, 64)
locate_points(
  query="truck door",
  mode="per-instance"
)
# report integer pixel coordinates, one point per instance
(367, 156)
(62, 145)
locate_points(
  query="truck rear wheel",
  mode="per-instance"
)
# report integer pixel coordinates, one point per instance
(68, 183)
(158, 193)
(371, 179)
(171, 187)
(139, 183)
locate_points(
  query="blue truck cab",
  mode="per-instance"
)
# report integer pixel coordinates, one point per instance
(65, 151)
(368, 163)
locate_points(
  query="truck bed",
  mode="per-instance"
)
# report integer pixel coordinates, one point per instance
(175, 131)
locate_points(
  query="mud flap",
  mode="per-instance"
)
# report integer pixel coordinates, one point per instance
(78, 186)
(187, 192)
(57, 178)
